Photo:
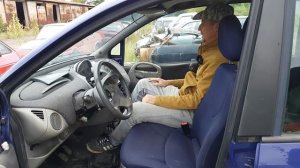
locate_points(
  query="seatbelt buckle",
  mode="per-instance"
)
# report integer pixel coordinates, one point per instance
(185, 126)
(193, 65)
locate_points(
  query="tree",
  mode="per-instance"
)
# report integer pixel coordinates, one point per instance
(79, 1)
(91, 2)
(97, 2)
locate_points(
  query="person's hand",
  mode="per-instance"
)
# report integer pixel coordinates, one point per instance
(158, 82)
(148, 99)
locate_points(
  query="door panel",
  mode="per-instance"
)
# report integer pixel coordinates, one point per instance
(278, 155)
(8, 156)
(169, 71)
(174, 71)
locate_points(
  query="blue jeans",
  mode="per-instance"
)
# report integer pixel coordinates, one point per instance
(145, 112)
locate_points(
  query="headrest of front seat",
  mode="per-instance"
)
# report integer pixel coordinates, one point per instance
(230, 38)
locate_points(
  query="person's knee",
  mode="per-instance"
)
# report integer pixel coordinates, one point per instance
(138, 113)
(143, 81)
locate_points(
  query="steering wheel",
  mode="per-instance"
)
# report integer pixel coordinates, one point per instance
(135, 74)
(112, 90)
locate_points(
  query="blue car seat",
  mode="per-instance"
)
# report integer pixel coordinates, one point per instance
(159, 146)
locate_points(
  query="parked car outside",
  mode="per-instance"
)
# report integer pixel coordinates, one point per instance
(184, 35)
(161, 24)
(181, 19)
(97, 39)
(178, 43)
(188, 27)
(47, 31)
(181, 47)
(8, 57)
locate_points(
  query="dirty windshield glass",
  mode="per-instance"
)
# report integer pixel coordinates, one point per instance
(94, 41)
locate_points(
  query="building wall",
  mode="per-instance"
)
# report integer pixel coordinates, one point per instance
(10, 9)
(77, 11)
(49, 10)
(65, 12)
(32, 12)
(2, 11)
(42, 12)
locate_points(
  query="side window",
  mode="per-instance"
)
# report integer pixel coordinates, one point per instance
(171, 39)
(167, 44)
(292, 118)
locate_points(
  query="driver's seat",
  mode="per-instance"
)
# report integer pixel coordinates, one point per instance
(155, 145)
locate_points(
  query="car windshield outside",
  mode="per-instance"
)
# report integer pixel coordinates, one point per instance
(50, 29)
(4, 50)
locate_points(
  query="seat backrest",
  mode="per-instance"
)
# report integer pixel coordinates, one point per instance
(210, 117)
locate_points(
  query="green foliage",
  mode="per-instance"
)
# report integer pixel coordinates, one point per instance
(131, 42)
(195, 9)
(15, 28)
(79, 1)
(2, 25)
(97, 2)
(34, 26)
(241, 9)
(91, 2)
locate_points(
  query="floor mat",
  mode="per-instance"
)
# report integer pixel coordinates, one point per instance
(73, 154)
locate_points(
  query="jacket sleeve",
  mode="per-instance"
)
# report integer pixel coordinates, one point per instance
(178, 82)
(190, 100)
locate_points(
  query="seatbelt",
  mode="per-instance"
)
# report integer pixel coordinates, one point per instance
(185, 126)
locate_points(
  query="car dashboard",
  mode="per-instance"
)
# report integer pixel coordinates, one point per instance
(52, 106)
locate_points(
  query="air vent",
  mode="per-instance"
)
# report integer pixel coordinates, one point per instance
(38, 113)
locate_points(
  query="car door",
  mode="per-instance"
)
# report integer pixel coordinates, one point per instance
(264, 120)
(8, 157)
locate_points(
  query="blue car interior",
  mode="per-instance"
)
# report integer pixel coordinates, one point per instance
(155, 145)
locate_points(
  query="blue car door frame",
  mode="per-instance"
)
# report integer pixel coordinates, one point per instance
(8, 157)
(254, 136)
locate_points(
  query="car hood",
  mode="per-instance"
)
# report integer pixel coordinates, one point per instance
(31, 44)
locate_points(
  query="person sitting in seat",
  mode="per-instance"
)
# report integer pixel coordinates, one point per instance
(171, 102)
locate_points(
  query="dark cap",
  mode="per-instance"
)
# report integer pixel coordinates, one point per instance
(215, 12)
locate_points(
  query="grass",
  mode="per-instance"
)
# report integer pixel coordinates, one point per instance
(131, 42)
(15, 30)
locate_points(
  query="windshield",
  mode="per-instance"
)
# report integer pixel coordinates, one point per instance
(91, 43)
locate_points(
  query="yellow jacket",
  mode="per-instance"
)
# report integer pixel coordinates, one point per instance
(194, 86)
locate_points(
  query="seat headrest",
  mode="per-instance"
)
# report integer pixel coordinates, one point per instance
(230, 37)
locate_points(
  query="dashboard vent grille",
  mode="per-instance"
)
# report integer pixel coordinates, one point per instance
(38, 113)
